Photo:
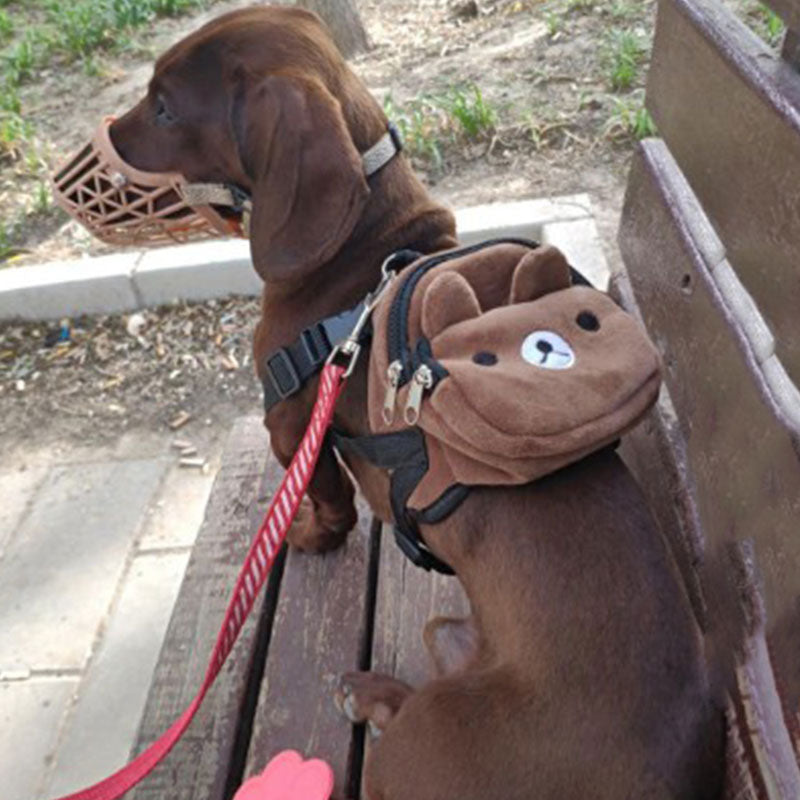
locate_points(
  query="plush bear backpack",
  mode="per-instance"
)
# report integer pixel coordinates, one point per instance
(490, 365)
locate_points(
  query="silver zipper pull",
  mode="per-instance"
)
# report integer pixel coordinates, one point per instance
(422, 380)
(394, 372)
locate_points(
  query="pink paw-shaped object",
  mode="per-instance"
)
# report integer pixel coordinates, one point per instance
(288, 777)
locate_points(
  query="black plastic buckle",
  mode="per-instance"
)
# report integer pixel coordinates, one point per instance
(397, 139)
(316, 344)
(283, 374)
(239, 196)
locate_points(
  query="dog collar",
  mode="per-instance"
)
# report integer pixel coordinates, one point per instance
(239, 201)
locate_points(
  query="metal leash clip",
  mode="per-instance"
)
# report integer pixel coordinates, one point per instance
(347, 352)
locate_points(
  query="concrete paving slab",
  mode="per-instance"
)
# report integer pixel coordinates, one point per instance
(98, 735)
(61, 569)
(89, 286)
(579, 240)
(30, 716)
(17, 490)
(174, 518)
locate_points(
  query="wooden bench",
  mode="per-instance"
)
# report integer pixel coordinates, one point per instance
(710, 236)
(360, 607)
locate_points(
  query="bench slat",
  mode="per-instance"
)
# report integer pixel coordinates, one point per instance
(319, 632)
(741, 452)
(407, 598)
(197, 768)
(729, 110)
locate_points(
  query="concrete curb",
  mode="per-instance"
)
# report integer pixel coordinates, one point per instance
(127, 281)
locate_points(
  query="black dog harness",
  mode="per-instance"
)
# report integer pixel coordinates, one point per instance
(402, 453)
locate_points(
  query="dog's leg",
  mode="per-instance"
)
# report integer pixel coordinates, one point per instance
(452, 643)
(372, 698)
(323, 524)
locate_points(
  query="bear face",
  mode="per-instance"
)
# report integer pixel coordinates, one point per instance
(568, 360)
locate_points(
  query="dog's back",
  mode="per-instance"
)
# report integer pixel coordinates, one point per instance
(590, 679)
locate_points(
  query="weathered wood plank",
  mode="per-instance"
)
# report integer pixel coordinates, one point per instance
(407, 598)
(791, 48)
(729, 109)
(197, 769)
(319, 632)
(742, 450)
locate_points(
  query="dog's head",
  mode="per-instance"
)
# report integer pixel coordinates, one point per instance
(263, 99)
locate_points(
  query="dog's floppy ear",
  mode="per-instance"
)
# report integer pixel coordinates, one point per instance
(309, 187)
(538, 273)
(448, 300)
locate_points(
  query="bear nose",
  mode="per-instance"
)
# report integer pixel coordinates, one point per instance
(544, 347)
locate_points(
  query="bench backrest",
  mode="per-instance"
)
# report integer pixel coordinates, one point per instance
(710, 237)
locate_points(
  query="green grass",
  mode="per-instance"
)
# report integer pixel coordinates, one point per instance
(625, 52)
(772, 27)
(474, 118)
(630, 120)
(431, 122)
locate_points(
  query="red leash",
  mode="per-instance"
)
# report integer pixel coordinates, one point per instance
(257, 565)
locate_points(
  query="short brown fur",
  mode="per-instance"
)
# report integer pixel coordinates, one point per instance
(581, 674)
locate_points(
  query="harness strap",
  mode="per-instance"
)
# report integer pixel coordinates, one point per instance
(403, 453)
(288, 368)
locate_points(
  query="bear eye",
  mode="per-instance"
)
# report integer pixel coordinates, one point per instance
(485, 359)
(588, 321)
(164, 116)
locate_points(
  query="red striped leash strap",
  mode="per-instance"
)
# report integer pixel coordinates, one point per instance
(257, 565)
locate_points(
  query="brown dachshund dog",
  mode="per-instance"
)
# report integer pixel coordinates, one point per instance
(581, 673)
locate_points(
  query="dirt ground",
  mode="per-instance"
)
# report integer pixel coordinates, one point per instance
(543, 67)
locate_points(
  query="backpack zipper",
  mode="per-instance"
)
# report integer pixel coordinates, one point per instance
(398, 313)
(422, 380)
(393, 373)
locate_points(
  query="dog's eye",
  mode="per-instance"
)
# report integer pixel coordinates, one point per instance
(164, 116)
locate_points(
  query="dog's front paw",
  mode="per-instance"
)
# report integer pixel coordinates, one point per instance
(311, 533)
(371, 698)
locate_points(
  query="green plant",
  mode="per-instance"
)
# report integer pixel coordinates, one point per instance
(622, 10)
(419, 126)
(554, 22)
(474, 116)
(22, 59)
(14, 133)
(625, 52)
(6, 26)
(630, 119)
(171, 8)
(83, 26)
(130, 13)
(770, 24)
(580, 5)
(42, 199)
(9, 96)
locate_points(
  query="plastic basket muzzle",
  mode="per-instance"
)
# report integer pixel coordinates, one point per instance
(122, 205)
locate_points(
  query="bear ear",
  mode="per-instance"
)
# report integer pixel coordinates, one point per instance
(449, 299)
(538, 273)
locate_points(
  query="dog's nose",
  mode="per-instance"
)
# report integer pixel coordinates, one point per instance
(544, 347)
